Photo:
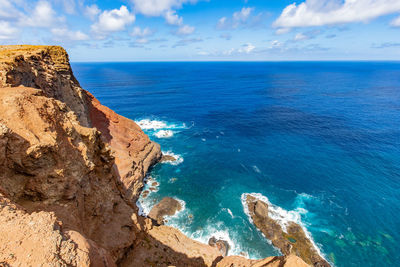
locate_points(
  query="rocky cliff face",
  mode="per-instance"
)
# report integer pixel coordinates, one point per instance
(71, 171)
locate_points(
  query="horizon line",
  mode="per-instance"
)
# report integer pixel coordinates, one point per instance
(240, 61)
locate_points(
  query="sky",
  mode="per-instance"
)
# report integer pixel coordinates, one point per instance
(207, 30)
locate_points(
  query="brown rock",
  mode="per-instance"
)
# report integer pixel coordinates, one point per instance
(51, 160)
(276, 261)
(38, 238)
(222, 245)
(292, 242)
(167, 206)
(165, 158)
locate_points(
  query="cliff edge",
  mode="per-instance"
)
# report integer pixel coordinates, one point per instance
(71, 171)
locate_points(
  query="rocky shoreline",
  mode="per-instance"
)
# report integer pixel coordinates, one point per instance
(71, 172)
(290, 241)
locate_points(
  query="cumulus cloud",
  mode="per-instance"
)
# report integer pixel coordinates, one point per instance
(172, 18)
(243, 14)
(92, 11)
(276, 44)
(110, 21)
(300, 37)
(7, 31)
(43, 15)
(396, 22)
(141, 35)
(185, 30)
(306, 35)
(330, 12)
(239, 18)
(8, 10)
(64, 34)
(69, 6)
(158, 7)
(246, 48)
(138, 32)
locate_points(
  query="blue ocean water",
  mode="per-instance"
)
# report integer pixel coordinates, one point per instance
(320, 140)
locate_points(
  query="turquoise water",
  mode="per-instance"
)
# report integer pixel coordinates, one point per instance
(319, 140)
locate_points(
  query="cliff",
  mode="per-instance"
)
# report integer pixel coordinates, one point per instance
(71, 171)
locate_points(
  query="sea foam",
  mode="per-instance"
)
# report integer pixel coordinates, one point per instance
(178, 158)
(164, 134)
(147, 124)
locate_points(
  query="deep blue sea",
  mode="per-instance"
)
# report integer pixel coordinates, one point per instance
(319, 140)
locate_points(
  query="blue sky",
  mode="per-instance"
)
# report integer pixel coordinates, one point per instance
(203, 30)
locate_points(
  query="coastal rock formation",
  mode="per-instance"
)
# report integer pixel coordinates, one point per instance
(277, 261)
(71, 171)
(222, 245)
(292, 241)
(166, 207)
(167, 158)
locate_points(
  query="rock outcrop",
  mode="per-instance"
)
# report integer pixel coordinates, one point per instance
(166, 207)
(292, 241)
(71, 171)
(222, 245)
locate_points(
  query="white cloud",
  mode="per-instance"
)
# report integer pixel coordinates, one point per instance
(172, 18)
(185, 30)
(222, 23)
(246, 48)
(138, 32)
(282, 31)
(7, 31)
(158, 7)
(396, 22)
(300, 37)
(92, 11)
(243, 14)
(329, 12)
(64, 34)
(69, 6)
(112, 21)
(8, 10)
(238, 18)
(276, 44)
(43, 15)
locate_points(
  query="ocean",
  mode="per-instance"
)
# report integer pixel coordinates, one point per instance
(318, 140)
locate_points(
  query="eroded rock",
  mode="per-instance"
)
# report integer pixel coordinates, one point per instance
(166, 207)
(222, 245)
(293, 241)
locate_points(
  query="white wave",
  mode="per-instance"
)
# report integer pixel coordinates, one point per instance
(282, 216)
(178, 158)
(164, 134)
(256, 169)
(230, 213)
(220, 233)
(147, 124)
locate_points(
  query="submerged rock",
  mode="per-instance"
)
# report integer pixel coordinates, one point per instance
(222, 245)
(145, 193)
(293, 241)
(166, 207)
